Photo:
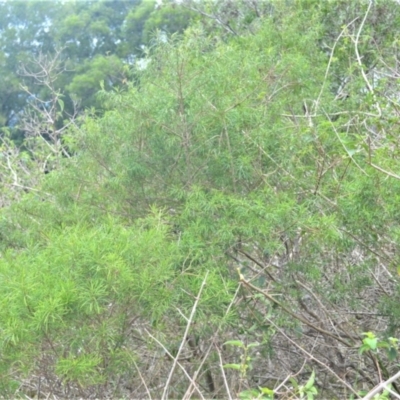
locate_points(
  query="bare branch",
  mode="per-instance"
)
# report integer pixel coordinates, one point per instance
(189, 323)
(356, 44)
(382, 386)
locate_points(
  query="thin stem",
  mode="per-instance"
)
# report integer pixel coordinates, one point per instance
(189, 323)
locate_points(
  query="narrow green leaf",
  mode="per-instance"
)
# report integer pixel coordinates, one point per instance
(61, 104)
(294, 383)
(237, 343)
(266, 391)
(233, 366)
(310, 382)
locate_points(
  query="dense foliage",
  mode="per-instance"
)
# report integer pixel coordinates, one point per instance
(227, 226)
(94, 41)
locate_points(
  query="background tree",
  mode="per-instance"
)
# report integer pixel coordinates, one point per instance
(100, 41)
